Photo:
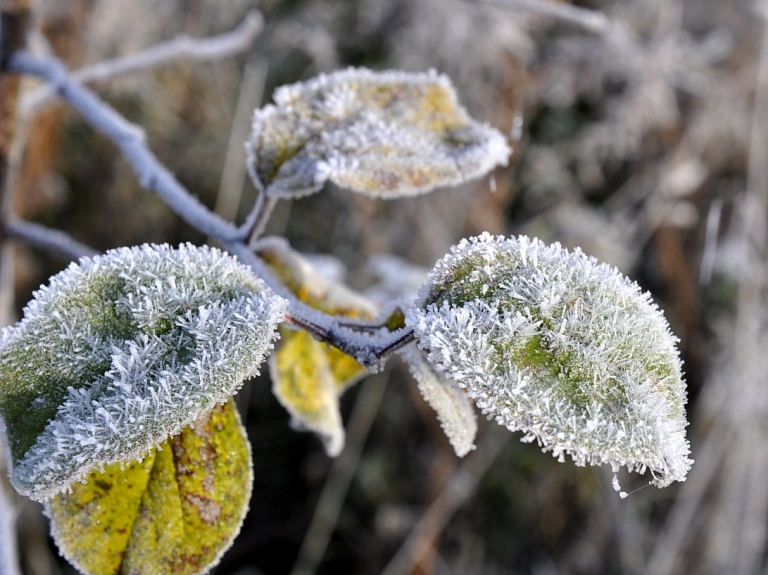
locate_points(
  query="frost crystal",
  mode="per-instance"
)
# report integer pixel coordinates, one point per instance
(123, 350)
(560, 347)
(385, 134)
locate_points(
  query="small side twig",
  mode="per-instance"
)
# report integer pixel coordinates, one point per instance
(180, 48)
(54, 241)
(368, 350)
(257, 219)
(590, 20)
(130, 140)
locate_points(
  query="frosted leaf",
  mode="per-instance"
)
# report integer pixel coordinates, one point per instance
(453, 407)
(385, 134)
(121, 351)
(560, 347)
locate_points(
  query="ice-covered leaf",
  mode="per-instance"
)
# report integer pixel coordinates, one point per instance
(453, 407)
(123, 350)
(565, 349)
(384, 134)
(308, 377)
(176, 511)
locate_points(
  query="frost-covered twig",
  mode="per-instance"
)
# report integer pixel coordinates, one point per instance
(591, 20)
(181, 47)
(257, 219)
(368, 349)
(130, 140)
(54, 241)
(9, 556)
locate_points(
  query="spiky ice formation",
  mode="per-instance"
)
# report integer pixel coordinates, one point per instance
(121, 351)
(565, 349)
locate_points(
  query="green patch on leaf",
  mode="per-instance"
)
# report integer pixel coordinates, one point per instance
(175, 512)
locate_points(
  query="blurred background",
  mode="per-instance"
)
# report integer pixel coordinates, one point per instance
(643, 140)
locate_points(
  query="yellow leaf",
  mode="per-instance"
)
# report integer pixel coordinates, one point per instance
(304, 383)
(175, 512)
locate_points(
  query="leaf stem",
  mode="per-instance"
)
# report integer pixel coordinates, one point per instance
(370, 351)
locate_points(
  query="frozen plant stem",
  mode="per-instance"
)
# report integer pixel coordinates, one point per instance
(366, 349)
(257, 219)
(181, 47)
(54, 241)
(130, 140)
(590, 20)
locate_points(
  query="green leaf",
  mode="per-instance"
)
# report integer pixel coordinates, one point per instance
(385, 134)
(567, 350)
(123, 350)
(176, 511)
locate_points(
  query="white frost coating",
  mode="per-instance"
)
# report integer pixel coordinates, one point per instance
(385, 134)
(124, 350)
(453, 407)
(560, 347)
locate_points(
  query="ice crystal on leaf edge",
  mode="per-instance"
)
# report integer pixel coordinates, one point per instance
(565, 349)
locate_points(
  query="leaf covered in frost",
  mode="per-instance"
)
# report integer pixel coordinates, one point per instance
(453, 407)
(384, 134)
(123, 350)
(565, 349)
(175, 511)
(308, 376)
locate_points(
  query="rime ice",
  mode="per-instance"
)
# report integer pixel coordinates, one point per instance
(570, 352)
(123, 350)
(384, 134)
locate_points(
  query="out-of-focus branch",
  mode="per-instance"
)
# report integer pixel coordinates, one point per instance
(458, 491)
(339, 478)
(54, 241)
(130, 140)
(590, 20)
(14, 18)
(180, 48)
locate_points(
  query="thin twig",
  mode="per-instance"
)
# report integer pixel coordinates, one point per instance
(54, 241)
(130, 140)
(590, 20)
(180, 48)
(14, 18)
(257, 219)
(339, 478)
(233, 173)
(369, 349)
